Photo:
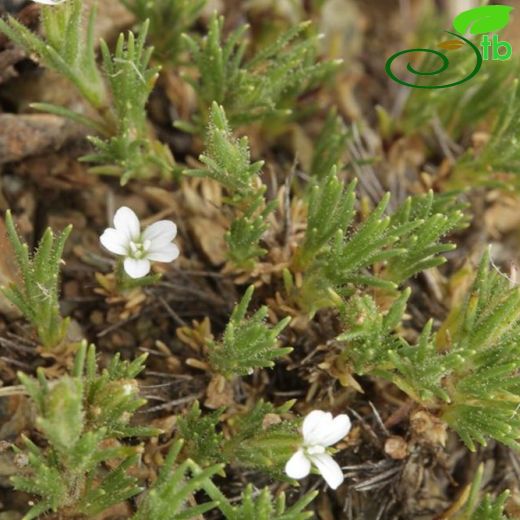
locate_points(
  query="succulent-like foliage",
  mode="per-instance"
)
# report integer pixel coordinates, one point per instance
(37, 295)
(67, 48)
(485, 390)
(252, 89)
(258, 438)
(226, 158)
(261, 440)
(500, 151)
(330, 207)
(429, 218)
(370, 333)
(471, 378)
(130, 153)
(420, 370)
(169, 495)
(202, 440)
(245, 233)
(228, 161)
(247, 343)
(262, 506)
(118, 94)
(336, 258)
(169, 20)
(82, 417)
(330, 147)
(491, 509)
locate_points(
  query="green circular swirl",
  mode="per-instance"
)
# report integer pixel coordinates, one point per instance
(439, 70)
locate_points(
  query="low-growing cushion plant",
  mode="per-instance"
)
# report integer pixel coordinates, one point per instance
(330, 302)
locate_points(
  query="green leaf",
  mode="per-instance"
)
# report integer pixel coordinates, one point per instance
(169, 21)
(171, 496)
(83, 418)
(200, 435)
(38, 296)
(70, 114)
(258, 506)
(488, 508)
(247, 343)
(253, 86)
(62, 418)
(227, 160)
(485, 19)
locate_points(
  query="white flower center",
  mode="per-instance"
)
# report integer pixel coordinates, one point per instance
(315, 450)
(139, 249)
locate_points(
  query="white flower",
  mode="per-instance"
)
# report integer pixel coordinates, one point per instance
(320, 430)
(126, 239)
(49, 2)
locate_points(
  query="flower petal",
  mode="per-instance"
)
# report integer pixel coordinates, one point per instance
(315, 425)
(126, 222)
(160, 232)
(329, 469)
(49, 2)
(136, 268)
(298, 466)
(165, 253)
(114, 241)
(336, 430)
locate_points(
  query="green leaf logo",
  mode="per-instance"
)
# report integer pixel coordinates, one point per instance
(486, 19)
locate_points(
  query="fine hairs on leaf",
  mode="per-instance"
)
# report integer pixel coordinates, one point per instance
(199, 432)
(500, 152)
(249, 443)
(226, 158)
(228, 161)
(252, 88)
(68, 47)
(433, 217)
(83, 418)
(124, 146)
(131, 152)
(485, 332)
(336, 256)
(168, 496)
(169, 20)
(469, 372)
(330, 146)
(245, 233)
(247, 343)
(261, 506)
(370, 333)
(37, 297)
(254, 444)
(330, 207)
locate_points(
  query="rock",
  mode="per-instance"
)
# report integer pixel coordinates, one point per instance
(26, 135)
(112, 18)
(396, 447)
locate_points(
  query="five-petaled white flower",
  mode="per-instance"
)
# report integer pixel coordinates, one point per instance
(320, 430)
(138, 248)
